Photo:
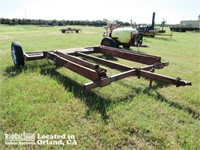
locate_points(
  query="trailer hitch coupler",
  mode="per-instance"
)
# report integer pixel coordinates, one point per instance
(180, 82)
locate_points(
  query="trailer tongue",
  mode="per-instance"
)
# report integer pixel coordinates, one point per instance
(97, 74)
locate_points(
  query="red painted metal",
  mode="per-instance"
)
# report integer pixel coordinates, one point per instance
(97, 74)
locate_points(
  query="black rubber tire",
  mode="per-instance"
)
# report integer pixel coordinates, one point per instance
(126, 46)
(117, 43)
(107, 41)
(17, 54)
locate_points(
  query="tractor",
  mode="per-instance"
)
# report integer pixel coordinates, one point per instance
(116, 36)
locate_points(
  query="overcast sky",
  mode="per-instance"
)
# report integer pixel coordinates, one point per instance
(139, 10)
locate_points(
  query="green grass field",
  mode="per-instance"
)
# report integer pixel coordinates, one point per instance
(47, 99)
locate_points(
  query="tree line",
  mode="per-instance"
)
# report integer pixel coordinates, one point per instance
(57, 22)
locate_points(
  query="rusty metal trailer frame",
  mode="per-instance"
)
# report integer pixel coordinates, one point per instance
(97, 74)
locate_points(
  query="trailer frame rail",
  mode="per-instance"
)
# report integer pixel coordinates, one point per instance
(97, 74)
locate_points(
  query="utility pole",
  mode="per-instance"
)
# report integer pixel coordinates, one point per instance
(25, 14)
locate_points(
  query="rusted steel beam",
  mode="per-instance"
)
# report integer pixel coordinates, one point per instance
(80, 61)
(140, 58)
(82, 70)
(113, 78)
(118, 66)
(165, 79)
(110, 64)
(136, 72)
(155, 66)
(126, 51)
(109, 80)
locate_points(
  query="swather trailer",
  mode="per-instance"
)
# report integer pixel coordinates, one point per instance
(97, 74)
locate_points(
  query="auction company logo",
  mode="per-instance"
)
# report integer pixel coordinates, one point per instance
(39, 139)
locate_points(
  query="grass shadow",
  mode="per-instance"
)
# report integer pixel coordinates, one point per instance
(106, 57)
(161, 98)
(168, 39)
(93, 101)
(12, 71)
(152, 92)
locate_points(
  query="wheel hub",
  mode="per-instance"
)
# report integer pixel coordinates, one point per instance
(14, 56)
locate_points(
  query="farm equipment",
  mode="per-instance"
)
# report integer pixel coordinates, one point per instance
(70, 30)
(126, 37)
(72, 59)
(186, 25)
(150, 30)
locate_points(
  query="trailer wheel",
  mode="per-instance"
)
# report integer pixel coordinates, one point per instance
(17, 54)
(107, 41)
(126, 46)
(116, 43)
(152, 36)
